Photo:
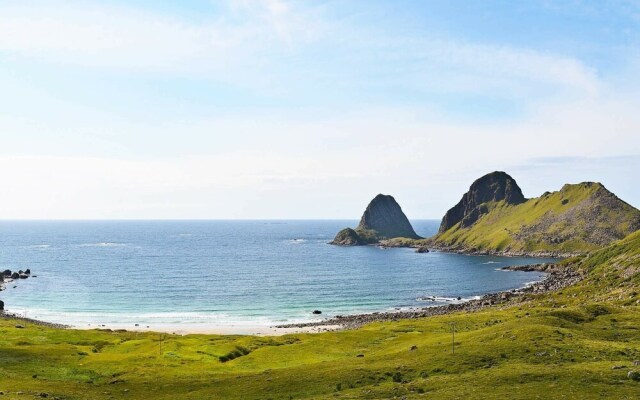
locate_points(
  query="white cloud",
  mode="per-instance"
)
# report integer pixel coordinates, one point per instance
(272, 40)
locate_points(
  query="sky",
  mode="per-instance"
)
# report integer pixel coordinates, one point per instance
(261, 109)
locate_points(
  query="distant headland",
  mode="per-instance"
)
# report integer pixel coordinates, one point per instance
(494, 217)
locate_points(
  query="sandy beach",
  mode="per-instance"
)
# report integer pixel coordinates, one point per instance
(206, 329)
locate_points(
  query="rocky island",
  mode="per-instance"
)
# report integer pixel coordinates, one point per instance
(383, 219)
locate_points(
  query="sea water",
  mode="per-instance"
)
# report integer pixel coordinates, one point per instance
(223, 273)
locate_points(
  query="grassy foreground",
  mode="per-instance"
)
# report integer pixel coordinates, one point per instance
(557, 345)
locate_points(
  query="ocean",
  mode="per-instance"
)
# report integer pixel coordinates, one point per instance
(228, 273)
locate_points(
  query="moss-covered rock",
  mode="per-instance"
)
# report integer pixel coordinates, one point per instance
(347, 237)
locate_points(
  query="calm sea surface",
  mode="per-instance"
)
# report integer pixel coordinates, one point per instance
(227, 272)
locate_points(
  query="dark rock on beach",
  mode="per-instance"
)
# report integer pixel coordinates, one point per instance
(6, 272)
(317, 312)
(1, 305)
(15, 275)
(495, 186)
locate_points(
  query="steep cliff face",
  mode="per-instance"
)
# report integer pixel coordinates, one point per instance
(383, 219)
(384, 215)
(493, 187)
(494, 217)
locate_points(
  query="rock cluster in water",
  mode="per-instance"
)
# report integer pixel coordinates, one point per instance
(382, 219)
(7, 276)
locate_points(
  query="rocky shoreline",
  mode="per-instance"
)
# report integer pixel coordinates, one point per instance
(558, 277)
(426, 245)
(17, 317)
(506, 253)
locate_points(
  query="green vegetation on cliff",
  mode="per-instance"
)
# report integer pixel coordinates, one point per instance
(579, 343)
(577, 219)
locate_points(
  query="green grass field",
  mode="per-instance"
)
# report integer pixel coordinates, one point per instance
(555, 345)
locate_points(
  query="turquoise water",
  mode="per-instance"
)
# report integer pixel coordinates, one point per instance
(227, 272)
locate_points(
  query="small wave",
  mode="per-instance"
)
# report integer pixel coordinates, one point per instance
(491, 262)
(297, 241)
(40, 246)
(103, 244)
(438, 299)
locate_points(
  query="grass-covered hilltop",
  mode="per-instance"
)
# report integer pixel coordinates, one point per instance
(581, 342)
(494, 217)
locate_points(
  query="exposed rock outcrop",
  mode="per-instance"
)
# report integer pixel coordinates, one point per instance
(496, 186)
(347, 237)
(384, 216)
(383, 219)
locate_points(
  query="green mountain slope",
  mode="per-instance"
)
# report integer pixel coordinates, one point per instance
(577, 219)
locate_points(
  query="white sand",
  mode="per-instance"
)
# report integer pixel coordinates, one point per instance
(187, 329)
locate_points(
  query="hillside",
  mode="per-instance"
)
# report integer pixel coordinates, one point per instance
(576, 219)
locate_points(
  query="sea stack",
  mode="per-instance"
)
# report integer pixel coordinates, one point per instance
(496, 186)
(382, 219)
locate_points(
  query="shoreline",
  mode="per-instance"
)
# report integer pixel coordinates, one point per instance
(430, 246)
(557, 278)
(509, 253)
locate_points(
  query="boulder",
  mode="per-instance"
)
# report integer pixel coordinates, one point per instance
(23, 276)
(6, 272)
(15, 275)
(633, 375)
(1, 305)
(317, 312)
(28, 271)
(422, 249)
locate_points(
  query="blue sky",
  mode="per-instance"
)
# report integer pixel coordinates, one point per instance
(277, 109)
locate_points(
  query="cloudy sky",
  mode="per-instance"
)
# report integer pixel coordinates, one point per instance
(307, 109)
